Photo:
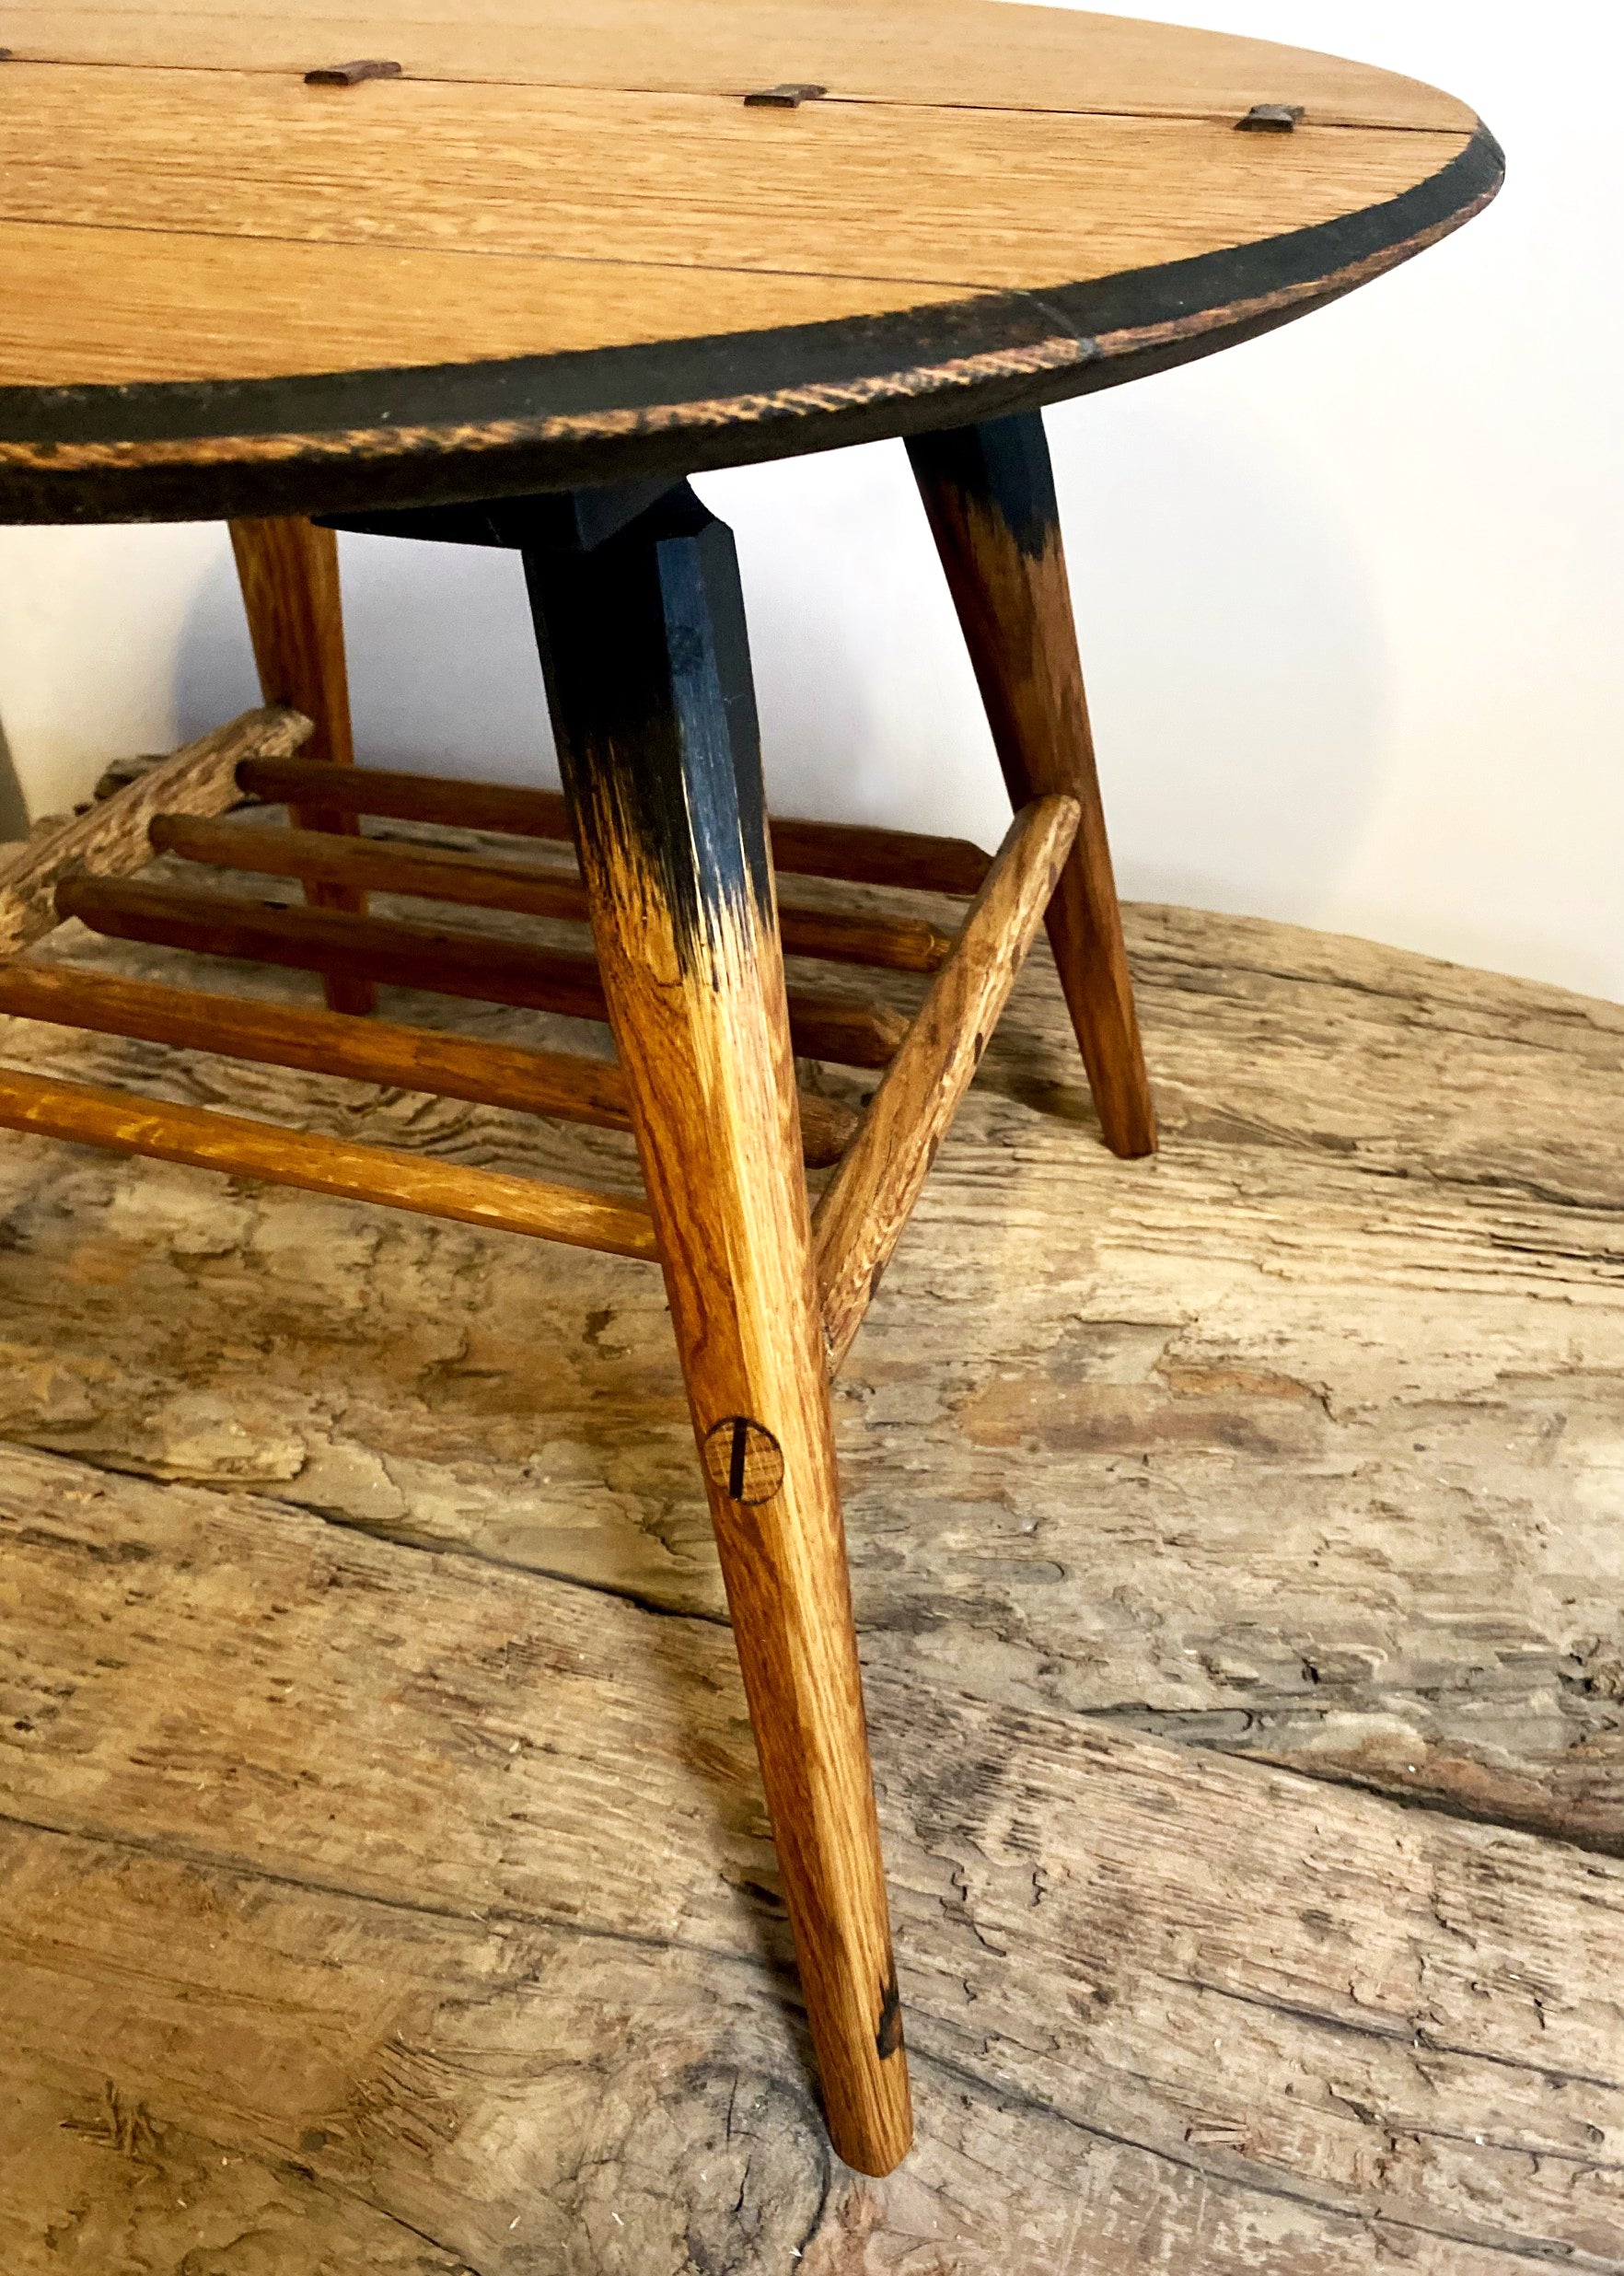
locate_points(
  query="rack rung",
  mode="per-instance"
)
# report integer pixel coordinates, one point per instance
(110, 838)
(204, 1139)
(860, 1218)
(483, 882)
(556, 1083)
(409, 956)
(853, 850)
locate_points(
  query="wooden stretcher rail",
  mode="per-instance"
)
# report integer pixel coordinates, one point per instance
(409, 956)
(853, 850)
(110, 840)
(557, 1083)
(486, 881)
(206, 1139)
(860, 1218)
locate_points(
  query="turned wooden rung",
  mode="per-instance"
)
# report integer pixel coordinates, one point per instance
(488, 881)
(111, 839)
(851, 850)
(437, 961)
(555, 1084)
(204, 1139)
(860, 1218)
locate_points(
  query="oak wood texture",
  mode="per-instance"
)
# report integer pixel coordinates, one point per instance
(420, 1059)
(1225, 2018)
(237, 2029)
(901, 53)
(1347, 1356)
(489, 881)
(989, 493)
(864, 1209)
(856, 850)
(288, 571)
(437, 959)
(111, 839)
(644, 649)
(309, 250)
(204, 1140)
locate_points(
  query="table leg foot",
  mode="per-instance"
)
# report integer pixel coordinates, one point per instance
(643, 643)
(989, 493)
(289, 574)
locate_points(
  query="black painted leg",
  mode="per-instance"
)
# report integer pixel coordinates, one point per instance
(643, 643)
(989, 491)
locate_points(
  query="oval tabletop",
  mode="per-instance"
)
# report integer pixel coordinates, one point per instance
(555, 241)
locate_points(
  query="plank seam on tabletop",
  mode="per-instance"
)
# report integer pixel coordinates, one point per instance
(938, 288)
(1195, 115)
(58, 449)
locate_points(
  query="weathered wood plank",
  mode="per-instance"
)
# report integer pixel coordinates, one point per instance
(1055, 60)
(1287, 2028)
(1305, 1440)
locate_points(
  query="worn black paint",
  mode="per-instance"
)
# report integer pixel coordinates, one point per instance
(1002, 466)
(887, 2040)
(573, 520)
(328, 407)
(646, 659)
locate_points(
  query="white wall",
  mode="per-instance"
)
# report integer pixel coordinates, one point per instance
(1351, 597)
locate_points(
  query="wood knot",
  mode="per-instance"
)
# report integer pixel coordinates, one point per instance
(744, 1460)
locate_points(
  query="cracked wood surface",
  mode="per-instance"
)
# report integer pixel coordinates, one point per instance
(368, 1906)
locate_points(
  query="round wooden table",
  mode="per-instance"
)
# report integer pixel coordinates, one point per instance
(507, 273)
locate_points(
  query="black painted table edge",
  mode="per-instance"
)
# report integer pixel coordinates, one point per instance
(377, 438)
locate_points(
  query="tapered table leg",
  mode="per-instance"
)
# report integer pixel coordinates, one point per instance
(288, 571)
(643, 643)
(989, 491)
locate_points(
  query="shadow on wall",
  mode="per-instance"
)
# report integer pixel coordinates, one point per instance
(1218, 600)
(444, 678)
(1236, 659)
(14, 811)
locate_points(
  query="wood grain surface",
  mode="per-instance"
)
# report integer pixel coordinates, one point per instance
(288, 571)
(521, 259)
(385, 1881)
(123, 1122)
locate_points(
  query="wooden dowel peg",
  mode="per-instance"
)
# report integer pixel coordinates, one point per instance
(441, 961)
(558, 1083)
(204, 1139)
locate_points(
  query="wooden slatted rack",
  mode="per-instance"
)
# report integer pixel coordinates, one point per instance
(93, 867)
